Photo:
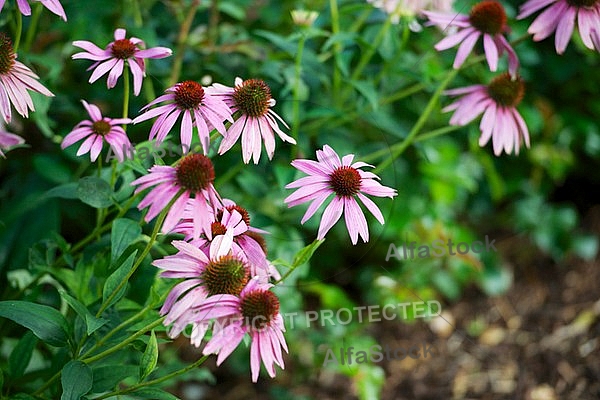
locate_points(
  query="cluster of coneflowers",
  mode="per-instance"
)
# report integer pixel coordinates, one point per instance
(226, 278)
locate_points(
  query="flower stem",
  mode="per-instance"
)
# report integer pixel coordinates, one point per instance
(157, 380)
(337, 47)
(141, 257)
(35, 17)
(18, 32)
(367, 55)
(399, 149)
(296, 96)
(125, 98)
(184, 31)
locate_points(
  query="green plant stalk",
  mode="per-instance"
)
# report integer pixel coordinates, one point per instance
(184, 31)
(18, 31)
(141, 257)
(296, 95)
(125, 97)
(366, 57)
(33, 23)
(337, 48)
(397, 151)
(173, 374)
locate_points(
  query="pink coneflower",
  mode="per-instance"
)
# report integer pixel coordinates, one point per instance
(196, 106)
(8, 140)
(52, 5)
(221, 273)
(193, 179)
(255, 312)
(497, 101)
(596, 38)
(15, 80)
(560, 17)
(346, 182)
(98, 130)
(112, 58)
(487, 18)
(251, 102)
(247, 240)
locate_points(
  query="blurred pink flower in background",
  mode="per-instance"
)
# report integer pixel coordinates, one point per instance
(346, 182)
(560, 17)
(251, 103)
(497, 101)
(195, 105)
(96, 131)
(112, 59)
(52, 5)
(15, 80)
(410, 9)
(486, 19)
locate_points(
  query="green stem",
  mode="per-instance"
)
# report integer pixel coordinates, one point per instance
(367, 55)
(125, 98)
(19, 31)
(296, 96)
(337, 49)
(184, 31)
(397, 151)
(141, 257)
(155, 381)
(33, 23)
(124, 343)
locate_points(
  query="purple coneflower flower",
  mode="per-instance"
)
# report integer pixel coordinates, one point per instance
(497, 101)
(219, 273)
(247, 240)
(192, 178)
(596, 38)
(251, 103)
(560, 17)
(97, 131)
(112, 58)
(346, 182)
(15, 80)
(255, 312)
(8, 140)
(52, 5)
(487, 18)
(196, 106)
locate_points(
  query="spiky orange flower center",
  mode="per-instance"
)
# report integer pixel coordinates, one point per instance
(488, 17)
(505, 91)
(252, 97)
(7, 54)
(259, 308)
(226, 275)
(123, 48)
(345, 181)
(217, 229)
(195, 173)
(188, 95)
(101, 127)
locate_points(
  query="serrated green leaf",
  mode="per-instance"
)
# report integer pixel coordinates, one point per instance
(91, 322)
(76, 380)
(304, 255)
(149, 358)
(124, 232)
(45, 322)
(115, 279)
(21, 355)
(94, 191)
(154, 394)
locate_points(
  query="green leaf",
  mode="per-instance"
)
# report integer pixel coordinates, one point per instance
(91, 322)
(21, 355)
(94, 191)
(107, 377)
(115, 279)
(304, 255)
(154, 394)
(45, 322)
(124, 232)
(76, 380)
(149, 358)
(367, 89)
(65, 191)
(369, 381)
